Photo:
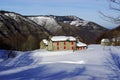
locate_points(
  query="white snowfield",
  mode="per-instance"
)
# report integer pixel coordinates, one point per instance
(91, 64)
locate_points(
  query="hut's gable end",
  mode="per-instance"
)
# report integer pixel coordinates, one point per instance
(43, 44)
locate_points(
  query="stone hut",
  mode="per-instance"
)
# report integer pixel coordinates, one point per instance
(81, 46)
(115, 41)
(105, 42)
(57, 43)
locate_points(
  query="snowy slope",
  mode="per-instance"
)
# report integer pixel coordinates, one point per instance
(48, 22)
(79, 23)
(16, 16)
(90, 64)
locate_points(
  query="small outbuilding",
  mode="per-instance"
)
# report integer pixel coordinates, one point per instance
(115, 41)
(105, 42)
(81, 46)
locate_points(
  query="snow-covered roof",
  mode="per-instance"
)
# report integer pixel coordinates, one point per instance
(63, 38)
(79, 44)
(45, 41)
(105, 40)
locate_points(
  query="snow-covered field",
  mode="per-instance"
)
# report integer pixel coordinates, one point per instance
(95, 63)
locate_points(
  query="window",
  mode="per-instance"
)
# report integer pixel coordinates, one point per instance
(64, 43)
(57, 43)
(57, 48)
(64, 47)
(72, 43)
(72, 48)
(80, 48)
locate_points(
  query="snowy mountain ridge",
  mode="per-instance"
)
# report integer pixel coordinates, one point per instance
(14, 26)
(48, 22)
(71, 20)
(15, 16)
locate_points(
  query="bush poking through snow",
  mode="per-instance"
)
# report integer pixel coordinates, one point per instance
(11, 54)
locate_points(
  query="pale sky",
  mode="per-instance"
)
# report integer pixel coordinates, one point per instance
(85, 9)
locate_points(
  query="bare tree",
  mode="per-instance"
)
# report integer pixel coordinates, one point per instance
(114, 5)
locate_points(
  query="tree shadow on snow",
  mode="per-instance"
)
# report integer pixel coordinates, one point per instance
(113, 63)
(64, 74)
(42, 73)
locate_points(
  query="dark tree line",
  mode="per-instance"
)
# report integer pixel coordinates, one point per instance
(19, 42)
